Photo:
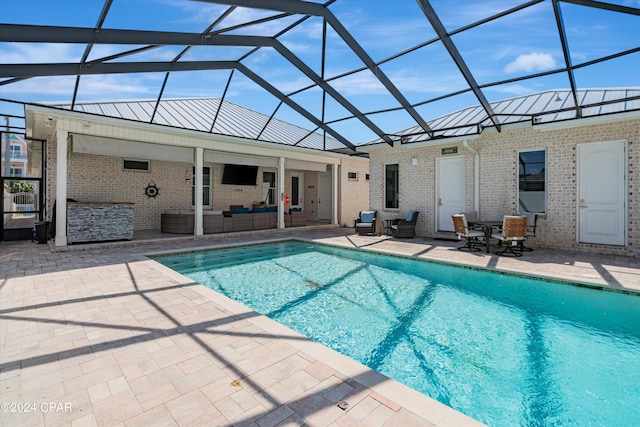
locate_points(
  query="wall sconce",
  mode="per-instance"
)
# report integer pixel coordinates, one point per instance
(414, 161)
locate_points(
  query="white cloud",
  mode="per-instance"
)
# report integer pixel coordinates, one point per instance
(120, 86)
(39, 53)
(535, 61)
(516, 89)
(362, 83)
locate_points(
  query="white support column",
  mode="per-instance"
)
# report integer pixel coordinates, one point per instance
(334, 183)
(199, 229)
(281, 189)
(61, 187)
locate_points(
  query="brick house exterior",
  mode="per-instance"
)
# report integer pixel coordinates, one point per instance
(498, 178)
(101, 177)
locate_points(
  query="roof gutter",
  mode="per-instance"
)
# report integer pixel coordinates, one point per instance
(585, 121)
(410, 145)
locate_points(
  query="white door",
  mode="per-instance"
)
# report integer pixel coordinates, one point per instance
(325, 201)
(450, 193)
(601, 192)
(297, 190)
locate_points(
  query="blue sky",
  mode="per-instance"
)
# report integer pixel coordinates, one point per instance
(522, 43)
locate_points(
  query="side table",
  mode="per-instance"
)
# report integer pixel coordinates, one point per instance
(387, 226)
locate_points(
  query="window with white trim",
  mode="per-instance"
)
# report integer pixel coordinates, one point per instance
(206, 186)
(391, 186)
(532, 185)
(269, 187)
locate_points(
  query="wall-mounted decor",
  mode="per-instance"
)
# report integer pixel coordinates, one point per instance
(152, 190)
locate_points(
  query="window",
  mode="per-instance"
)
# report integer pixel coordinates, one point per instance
(352, 176)
(206, 186)
(269, 187)
(136, 165)
(391, 187)
(16, 152)
(16, 172)
(532, 195)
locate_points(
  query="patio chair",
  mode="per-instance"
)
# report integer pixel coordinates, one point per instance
(472, 237)
(472, 216)
(405, 227)
(366, 222)
(532, 223)
(514, 233)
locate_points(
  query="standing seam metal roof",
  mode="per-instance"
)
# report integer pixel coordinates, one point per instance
(199, 113)
(543, 107)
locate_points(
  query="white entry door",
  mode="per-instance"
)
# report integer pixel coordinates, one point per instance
(297, 190)
(450, 193)
(601, 192)
(325, 199)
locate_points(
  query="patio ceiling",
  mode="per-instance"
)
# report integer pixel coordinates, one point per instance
(264, 48)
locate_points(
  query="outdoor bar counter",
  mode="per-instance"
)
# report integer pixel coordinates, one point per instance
(99, 221)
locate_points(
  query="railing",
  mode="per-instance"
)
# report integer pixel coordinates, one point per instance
(25, 203)
(16, 156)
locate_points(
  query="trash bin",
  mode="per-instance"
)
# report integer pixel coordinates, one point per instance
(42, 231)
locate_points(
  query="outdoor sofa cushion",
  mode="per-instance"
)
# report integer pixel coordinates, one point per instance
(366, 218)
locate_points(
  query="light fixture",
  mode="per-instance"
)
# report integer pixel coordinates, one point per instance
(414, 161)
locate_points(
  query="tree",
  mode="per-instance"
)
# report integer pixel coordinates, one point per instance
(21, 187)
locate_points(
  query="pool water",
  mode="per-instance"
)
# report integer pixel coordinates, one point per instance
(502, 349)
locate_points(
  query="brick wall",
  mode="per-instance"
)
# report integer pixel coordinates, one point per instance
(498, 155)
(93, 178)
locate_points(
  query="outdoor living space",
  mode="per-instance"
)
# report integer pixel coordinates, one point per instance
(463, 173)
(98, 334)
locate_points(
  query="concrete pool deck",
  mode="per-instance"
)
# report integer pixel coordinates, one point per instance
(101, 335)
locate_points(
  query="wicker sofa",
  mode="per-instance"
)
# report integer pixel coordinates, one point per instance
(295, 218)
(237, 219)
(182, 221)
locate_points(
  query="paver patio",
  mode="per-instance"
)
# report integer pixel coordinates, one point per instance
(101, 335)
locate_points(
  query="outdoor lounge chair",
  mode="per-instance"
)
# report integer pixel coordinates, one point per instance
(513, 235)
(472, 237)
(366, 222)
(405, 227)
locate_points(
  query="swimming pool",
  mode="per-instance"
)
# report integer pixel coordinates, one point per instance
(504, 350)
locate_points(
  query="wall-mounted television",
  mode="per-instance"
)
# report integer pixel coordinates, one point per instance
(239, 174)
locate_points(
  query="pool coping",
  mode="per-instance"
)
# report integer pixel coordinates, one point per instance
(551, 279)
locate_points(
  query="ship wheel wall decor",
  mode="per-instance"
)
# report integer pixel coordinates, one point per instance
(152, 190)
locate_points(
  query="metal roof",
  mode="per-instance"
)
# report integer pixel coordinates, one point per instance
(306, 57)
(209, 115)
(538, 108)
